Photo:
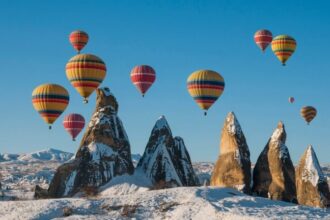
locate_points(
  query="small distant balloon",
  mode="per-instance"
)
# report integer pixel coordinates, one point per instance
(283, 47)
(73, 124)
(205, 86)
(78, 39)
(50, 100)
(263, 38)
(143, 77)
(291, 100)
(308, 113)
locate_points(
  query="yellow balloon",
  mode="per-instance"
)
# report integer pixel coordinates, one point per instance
(85, 72)
(50, 100)
(283, 47)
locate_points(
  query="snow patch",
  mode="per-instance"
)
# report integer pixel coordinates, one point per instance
(98, 150)
(70, 183)
(106, 91)
(312, 172)
(233, 126)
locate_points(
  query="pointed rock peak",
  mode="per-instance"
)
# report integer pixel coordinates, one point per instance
(106, 99)
(106, 91)
(279, 134)
(233, 127)
(161, 123)
(312, 170)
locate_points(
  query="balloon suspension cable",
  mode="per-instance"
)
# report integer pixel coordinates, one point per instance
(205, 113)
(50, 127)
(85, 101)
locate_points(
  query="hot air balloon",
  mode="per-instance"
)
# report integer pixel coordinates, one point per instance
(308, 113)
(85, 72)
(263, 38)
(291, 100)
(50, 100)
(73, 124)
(143, 77)
(205, 86)
(78, 39)
(283, 47)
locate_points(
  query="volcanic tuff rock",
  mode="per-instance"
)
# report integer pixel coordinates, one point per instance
(312, 186)
(104, 152)
(166, 161)
(274, 174)
(233, 167)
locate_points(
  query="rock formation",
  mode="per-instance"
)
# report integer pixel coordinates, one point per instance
(104, 152)
(274, 174)
(166, 161)
(312, 186)
(233, 167)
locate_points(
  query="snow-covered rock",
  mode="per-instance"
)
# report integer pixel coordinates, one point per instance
(274, 173)
(166, 160)
(233, 167)
(104, 152)
(312, 186)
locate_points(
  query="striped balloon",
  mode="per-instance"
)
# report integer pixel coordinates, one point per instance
(85, 72)
(143, 77)
(78, 39)
(308, 113)
(205, 86)
(263, 38)
(283, 47)
(73, 124)
(50, 100)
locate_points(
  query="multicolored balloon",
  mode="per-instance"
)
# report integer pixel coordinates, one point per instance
(263, 38)
(205, 86)
(143, 77)
(50, 100)
(308, 113)
(85, 72)
(291, 100)
(73, 124)
(283, 47)
(78, 39)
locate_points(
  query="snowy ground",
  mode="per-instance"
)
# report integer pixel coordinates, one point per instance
(177, 203)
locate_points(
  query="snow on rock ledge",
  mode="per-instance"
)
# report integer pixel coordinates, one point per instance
(166, 161)
(274, 174)
(104, 152)
(312, 186)
(233, 167)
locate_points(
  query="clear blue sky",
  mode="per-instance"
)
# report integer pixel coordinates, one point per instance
(176, 37)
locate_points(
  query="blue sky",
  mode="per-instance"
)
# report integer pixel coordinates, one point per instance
(176, 37)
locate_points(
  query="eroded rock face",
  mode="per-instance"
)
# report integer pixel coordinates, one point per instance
(104, 152)
(166, 161)
(233, 167)
(312, 186)
(274, 173)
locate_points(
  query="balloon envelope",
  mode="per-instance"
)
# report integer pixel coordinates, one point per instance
(291, 99)
(73, 124)
(263, 38)
(283, 47)
(205, 86)
(85, 72)
(143, 77)
(308, 113)
(50, 100)
(78, 39)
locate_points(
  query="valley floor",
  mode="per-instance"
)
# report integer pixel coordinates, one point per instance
(177, 203)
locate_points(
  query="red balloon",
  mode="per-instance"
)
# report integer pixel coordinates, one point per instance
(78, 39)
(73, 124)
(143, 77)
(263, 38)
